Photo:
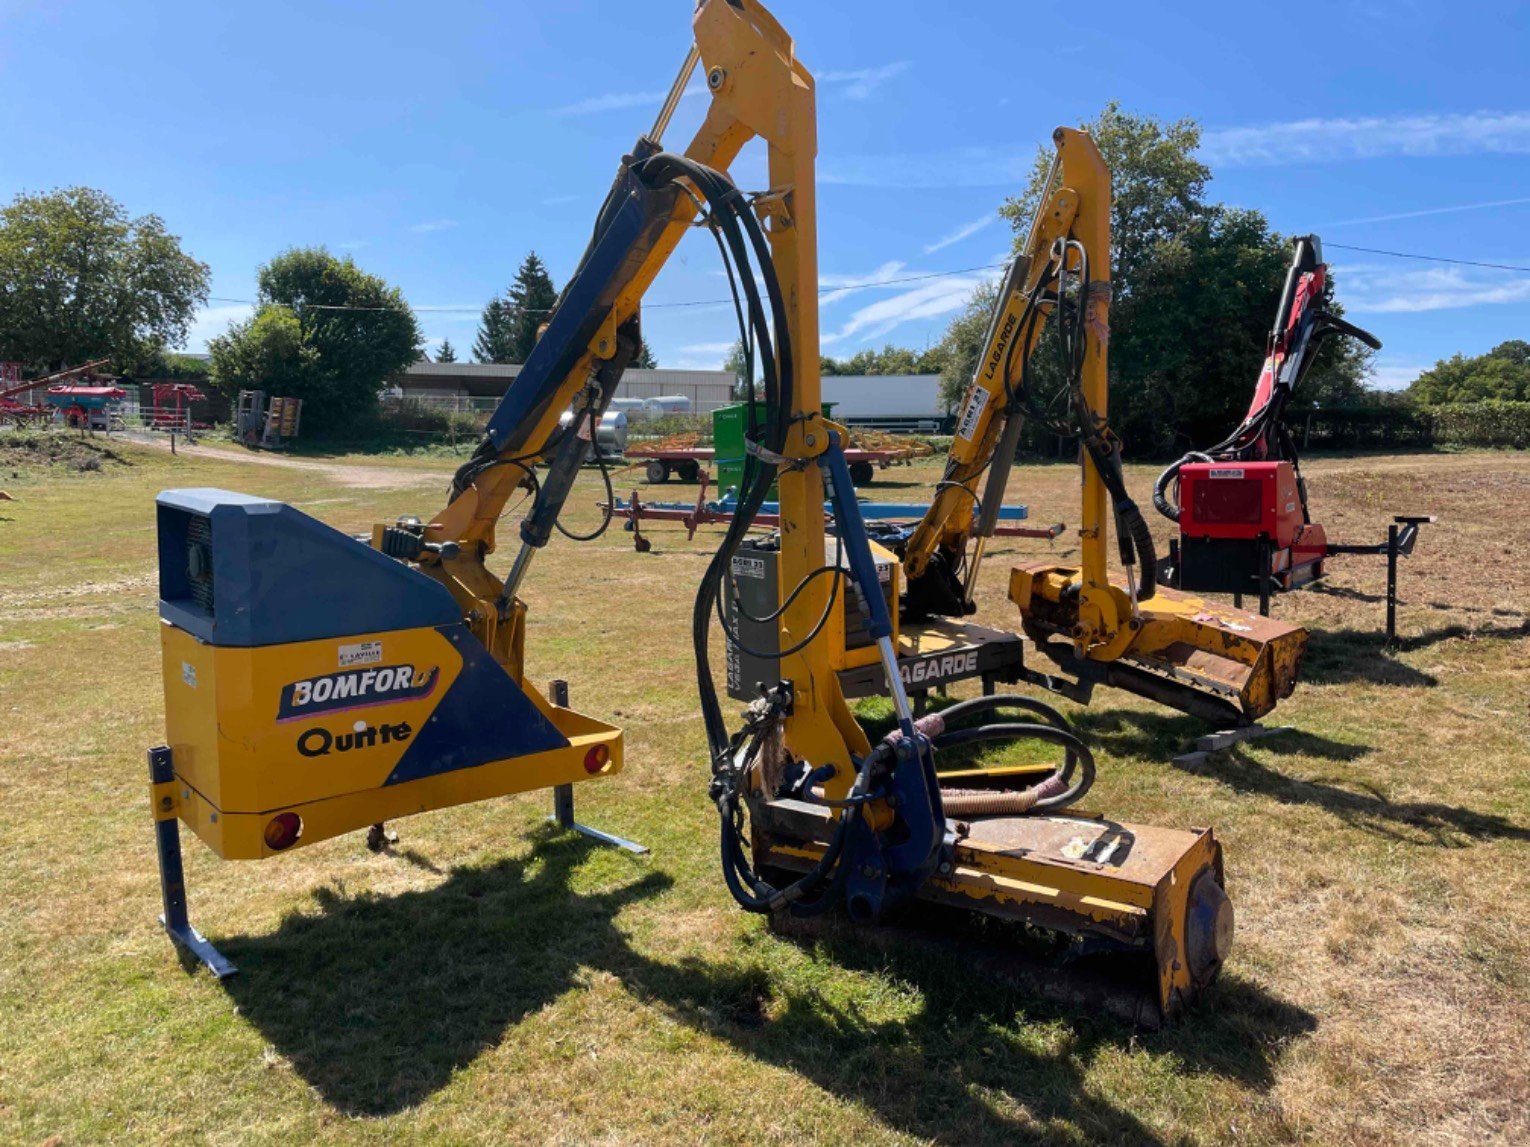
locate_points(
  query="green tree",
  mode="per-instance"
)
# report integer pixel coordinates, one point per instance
(447, 352)
(495, 341)
(531, 299)
(889, 360)
(169, 364)
(80, 280)
(1194, 291)
(736, 366)
(644, 359)
(1503, 373)
(353, 332)
(963, 343)
(267, 352)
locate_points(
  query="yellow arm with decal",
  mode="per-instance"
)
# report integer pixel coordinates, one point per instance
(1074, 204)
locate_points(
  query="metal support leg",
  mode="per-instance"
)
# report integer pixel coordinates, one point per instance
(1266, 575)
(172, 877)
(563, 795)
(1392, 582)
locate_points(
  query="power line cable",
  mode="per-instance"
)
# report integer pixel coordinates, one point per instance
(1427, 258)
(468, 310)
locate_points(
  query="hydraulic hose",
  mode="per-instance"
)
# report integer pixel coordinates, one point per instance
(1059, 790)
(1170, 477)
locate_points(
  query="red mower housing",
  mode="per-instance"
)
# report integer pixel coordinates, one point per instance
(1240, 519)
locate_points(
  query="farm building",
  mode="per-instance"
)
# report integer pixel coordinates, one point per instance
(478, 386)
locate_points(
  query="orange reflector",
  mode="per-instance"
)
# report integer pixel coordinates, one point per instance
(283, 831)
(596, 758)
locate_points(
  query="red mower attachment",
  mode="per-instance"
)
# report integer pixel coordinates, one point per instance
(1241, 506)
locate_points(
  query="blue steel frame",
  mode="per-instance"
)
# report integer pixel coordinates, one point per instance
(883, 868)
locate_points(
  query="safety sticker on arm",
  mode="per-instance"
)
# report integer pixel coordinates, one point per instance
(972, 413)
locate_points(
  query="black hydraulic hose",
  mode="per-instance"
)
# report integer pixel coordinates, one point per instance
(1170, 477)
(735, 222)
(731, 214)
(605, 475)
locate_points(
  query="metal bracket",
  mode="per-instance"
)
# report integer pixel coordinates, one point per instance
(563, 795)
(1402, 535)
(172, 876)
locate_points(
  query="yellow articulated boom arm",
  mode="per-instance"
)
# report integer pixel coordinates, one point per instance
(991, 418)
(1219, 663)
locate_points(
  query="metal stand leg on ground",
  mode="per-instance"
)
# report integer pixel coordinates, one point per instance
(1392, 582)
(172, 878)
(563, 795)
(1266, 576)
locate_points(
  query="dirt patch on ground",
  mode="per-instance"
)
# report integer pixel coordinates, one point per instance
(361, 477)
(66, 451)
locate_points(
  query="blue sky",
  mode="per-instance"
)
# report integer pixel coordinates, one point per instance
(437, 144)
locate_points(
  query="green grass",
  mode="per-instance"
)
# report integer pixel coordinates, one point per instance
(490, 980)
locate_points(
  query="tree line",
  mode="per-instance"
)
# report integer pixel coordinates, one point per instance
(1195, 283)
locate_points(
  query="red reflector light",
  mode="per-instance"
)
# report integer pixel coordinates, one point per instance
(1228, 501)
(596, 759)
(283, 830)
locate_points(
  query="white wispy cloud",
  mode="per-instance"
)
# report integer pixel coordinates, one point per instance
(1368, 289)
(706, 348)
(1451, 210)
(965, 231)
(855, 84)
(837, 287)
(351, 245)
(616, 101)
(433, 225)
(693, 362)
(1368, 137)
(929, 299)
(951, 167)
(860, 83)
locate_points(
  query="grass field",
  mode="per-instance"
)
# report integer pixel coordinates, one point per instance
(489, 980)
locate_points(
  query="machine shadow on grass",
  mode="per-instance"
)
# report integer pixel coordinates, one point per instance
(1362, 805)
(975, 1052)
(377, 1000)
(1133, 733)
(1341, 656)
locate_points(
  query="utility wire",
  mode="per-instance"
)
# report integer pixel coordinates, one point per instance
(646, 306)
(469, 310)
(1427, 258)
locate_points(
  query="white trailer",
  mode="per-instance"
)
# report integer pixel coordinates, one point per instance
(891, 401)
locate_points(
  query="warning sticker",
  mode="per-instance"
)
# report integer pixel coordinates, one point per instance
(972, 413)
(1227, 472)
(749, 567)
(362, 653)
